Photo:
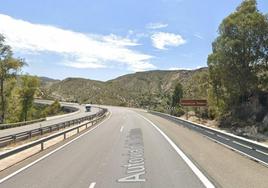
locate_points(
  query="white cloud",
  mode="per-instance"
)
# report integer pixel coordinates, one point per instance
(119, 41)
(78, 50)
(160, 40)
(156, 25)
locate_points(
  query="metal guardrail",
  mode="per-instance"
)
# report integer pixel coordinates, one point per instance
(252, 149)
(19, 124)
(68, 109)
(100, 115)
(6, 140)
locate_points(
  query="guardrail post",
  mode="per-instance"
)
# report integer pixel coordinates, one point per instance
(14, 138)
(41, 131)
(42, 146)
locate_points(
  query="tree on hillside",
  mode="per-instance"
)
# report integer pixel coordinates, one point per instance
(197, 86)
(29, 86)
(175, 100)
(239, 55)
(9, 66)
(13, 102)
(52, 109)
(177, 95)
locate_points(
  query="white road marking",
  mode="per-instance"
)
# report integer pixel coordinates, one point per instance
(121, 129)
(50, 153)
(209, 132)
(92, 185)
(242, 145)
(197, 172)
(212, 139)
(223, 137)
(136, 162)
(240, 152)
(261, 152)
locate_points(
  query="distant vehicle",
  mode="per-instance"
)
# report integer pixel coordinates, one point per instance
(88, 107)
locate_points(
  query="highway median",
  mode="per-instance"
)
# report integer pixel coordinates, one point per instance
(32, 146)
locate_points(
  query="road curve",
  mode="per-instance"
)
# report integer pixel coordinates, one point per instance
(81, 113)
(129, 150)
(124, 151)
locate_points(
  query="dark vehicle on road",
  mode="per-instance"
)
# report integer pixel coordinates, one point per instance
(88, 108)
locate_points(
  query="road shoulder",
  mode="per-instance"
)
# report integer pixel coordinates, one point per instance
(225, 167)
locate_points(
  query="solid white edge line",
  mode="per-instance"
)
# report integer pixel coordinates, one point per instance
(50, 153)
(92, 185)
(197, 172)
(213, 129)
(240, 152)
(121, 129)
(229, 134)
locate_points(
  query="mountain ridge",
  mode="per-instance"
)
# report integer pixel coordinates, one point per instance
(141, 89)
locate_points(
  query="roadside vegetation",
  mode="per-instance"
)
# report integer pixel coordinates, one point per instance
(238, 69)
(235, 83)
(17, 92)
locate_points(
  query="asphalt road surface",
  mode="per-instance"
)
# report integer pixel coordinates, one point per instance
(80, 113)
(244, 146)
(124, 151)
(135, 149)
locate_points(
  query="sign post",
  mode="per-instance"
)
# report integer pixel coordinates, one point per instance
(193, 103)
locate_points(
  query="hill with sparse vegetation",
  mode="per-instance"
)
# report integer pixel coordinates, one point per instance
(151, 89)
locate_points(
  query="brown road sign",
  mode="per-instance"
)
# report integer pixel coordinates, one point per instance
(193, 102)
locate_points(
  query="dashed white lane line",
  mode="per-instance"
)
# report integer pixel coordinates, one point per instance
(223, 137)
(242, 153)
(50, 153)
(196, 171)
(92, 185)
(242, 145)
(122, 128)
(209, 132)
(261, 152)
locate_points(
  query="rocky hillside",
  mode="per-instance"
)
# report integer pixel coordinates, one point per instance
(141, 89)
(46, 82)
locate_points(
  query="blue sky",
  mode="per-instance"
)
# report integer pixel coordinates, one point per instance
(103, 39)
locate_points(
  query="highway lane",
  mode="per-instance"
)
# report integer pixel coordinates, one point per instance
(124, 151)
(241, 145)
(225, 167)
(51, 121)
